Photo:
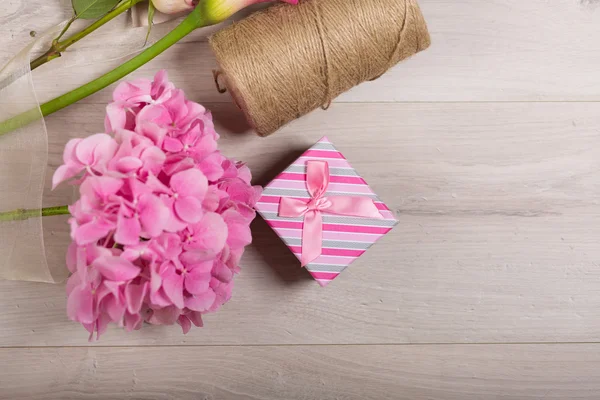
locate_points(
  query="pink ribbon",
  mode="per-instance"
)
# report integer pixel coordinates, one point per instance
(317, 181)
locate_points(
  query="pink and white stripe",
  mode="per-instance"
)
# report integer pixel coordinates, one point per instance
(344, 238)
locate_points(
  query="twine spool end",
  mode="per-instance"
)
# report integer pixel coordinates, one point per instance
(216, 74)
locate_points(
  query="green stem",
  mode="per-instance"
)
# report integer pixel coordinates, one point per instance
(22, 214)
(66, 28)
(59, 46)
(193, 21)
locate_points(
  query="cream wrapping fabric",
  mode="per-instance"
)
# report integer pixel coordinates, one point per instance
(34, 249)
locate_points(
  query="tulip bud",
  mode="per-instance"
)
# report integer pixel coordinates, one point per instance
(215, 11)
(174, 6)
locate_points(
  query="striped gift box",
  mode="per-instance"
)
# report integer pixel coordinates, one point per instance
(344, 238)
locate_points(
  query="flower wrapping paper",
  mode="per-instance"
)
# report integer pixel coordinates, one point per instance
(345, 238)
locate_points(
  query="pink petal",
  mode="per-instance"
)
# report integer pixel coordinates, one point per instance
(191, 182)
(93, 252)
(160, 83)
(222, 272)
(246, 211)
(153, 159)
(134, 296)
(211, 166)
(138, 188)
(153, 183)
(240, 192)
(116, 117)
(160, 299)
(105, 150)
(69, 153)
(235, 255)
(152, 131)
(138, 90)
(90, 328)
(201, 302)
(174, 224)
(128, 164)
(154, 215)
(197, 259)
(114, 309)
(132, 322)
(102, 325)
(223, 291)
(116, 268)
(82, 264)
(258, 191)
(196, 318)
(168, 246)
(73, 282)
(128, 230)
(175, 164)
(205, 146)
(133, 252)
(100, 186)
(239, 229)
(86, 150)
(185, 323)
(244, 173)
(165, 316)
(173, 287)
(172, 145)
(155, 113)
(63, 173)
(80, 305)
(92, 231)
(72, 257)
(188, 209)
(205, 266)
(155, 279)
(212, 199)
(192, 111)
(176, 108)
(210, 233)
(105, 290)
(197, 282)
(108, 288)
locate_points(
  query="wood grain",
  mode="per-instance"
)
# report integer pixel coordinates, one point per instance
(487, 147)
(497, 241)
(511, 372)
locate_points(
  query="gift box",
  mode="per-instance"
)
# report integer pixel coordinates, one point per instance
(324, 211)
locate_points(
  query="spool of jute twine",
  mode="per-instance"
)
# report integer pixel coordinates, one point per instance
(283, 62)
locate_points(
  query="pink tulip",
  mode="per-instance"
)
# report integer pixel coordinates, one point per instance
(174, 6)
(216, 11)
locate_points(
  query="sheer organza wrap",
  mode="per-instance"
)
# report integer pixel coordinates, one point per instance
(34, 249)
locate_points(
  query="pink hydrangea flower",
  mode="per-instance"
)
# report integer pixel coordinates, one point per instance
(163, 217)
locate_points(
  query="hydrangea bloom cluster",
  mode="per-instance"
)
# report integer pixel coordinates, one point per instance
(163, 217)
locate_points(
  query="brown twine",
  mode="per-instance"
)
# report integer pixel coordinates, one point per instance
(281, 63)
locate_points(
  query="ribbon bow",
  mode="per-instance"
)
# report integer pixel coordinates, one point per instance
(317, 181)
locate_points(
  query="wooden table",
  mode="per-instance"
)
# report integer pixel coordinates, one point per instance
(487, 147)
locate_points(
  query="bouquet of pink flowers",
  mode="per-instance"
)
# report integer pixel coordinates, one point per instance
(163, 217)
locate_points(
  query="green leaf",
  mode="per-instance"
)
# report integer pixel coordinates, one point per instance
(92, 9)
(151, 11)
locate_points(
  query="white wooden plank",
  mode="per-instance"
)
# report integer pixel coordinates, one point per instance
(503, 50)
(20, 19)
(497, 242)
(481, 372)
